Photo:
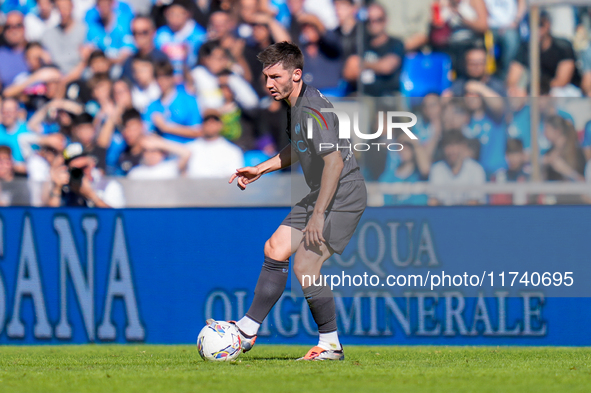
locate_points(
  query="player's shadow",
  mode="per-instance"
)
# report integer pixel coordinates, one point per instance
(270, 358)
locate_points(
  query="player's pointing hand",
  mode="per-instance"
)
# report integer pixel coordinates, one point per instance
(245, 176)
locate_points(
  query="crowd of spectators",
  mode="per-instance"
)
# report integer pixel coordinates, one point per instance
(170, 88)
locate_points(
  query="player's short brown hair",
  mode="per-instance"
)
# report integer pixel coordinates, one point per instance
(285, 53)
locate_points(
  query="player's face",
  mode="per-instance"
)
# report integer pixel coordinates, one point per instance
(279, 81)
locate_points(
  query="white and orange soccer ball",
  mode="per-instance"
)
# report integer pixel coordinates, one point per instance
(219, 341)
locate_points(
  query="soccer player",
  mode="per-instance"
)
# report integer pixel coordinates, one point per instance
(324, 221)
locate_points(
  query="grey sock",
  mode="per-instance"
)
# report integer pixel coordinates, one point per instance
(321, 303)
(269, 289)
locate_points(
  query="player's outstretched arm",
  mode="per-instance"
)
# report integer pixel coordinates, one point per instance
(249, 174)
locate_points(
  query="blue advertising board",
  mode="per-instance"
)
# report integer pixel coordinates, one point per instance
(155, 275)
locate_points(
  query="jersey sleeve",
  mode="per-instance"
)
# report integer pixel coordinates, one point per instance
(325, 128)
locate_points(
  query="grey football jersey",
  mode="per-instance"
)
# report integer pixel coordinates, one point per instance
(324, 138)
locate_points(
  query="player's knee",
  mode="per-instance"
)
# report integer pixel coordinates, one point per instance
(275, 250)
(299, 269)
(307, 274)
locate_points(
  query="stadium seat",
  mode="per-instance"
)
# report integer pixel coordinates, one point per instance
(254, 157)
(338, 91)
(425, 73)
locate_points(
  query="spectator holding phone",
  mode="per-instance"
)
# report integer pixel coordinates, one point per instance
(76, 182)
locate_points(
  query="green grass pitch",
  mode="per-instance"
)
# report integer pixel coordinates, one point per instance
(159, 368)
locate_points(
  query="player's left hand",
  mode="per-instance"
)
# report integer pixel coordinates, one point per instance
(313, 231)
(245, 176)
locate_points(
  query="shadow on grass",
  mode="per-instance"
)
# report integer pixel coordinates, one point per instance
(269, 358)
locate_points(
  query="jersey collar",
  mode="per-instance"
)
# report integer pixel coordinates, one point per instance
(302, 91)
(304, 85)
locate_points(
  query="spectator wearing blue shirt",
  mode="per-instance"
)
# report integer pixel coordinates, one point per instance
(490, 134)
(120, 8)
(280, 9)
(587, 141)
(429, 125)
(516, 172)
(175, 115)
(519, 125)
(407, 170)
(181, 37)
(111, 33)
(12, 54)
(144, 32)
(22, 6)
(10, 129)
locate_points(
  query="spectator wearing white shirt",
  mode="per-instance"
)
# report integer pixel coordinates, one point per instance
(154, 164)
(39, 161)
(212, 156)
(457, 168)
(145, 90)
(77, 182)
(504, 17)
(40, 19)
(214, 60)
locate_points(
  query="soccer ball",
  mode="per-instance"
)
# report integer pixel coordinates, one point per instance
(219, 341)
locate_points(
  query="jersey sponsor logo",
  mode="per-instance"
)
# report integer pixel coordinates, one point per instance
(301, 146)
(317, 116)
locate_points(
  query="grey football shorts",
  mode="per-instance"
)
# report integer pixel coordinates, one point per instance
(341, 217)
